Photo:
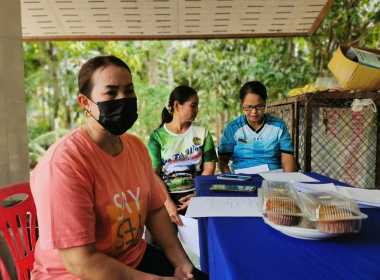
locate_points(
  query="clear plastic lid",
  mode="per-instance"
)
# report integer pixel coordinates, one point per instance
(330, 206)
(280, 198)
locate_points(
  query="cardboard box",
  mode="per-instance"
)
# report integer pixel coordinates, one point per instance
(353, 75)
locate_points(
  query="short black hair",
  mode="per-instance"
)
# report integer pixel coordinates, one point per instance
(255, 87)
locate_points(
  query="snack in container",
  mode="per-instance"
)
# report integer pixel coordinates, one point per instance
(332, 212)
(280, 203)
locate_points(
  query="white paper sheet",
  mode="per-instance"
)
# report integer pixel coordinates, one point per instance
(189, 234)
(275, 171)
(316, 187)
(253, 170)
(289, 176)
(364, 198)
(372, 196)
(343, 191)
(210, 206)
(362, 201)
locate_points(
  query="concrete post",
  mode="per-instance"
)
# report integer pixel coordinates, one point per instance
(14, 153)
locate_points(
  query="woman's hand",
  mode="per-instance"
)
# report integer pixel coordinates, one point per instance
(173, 213)
(185, 202)
(183, 270)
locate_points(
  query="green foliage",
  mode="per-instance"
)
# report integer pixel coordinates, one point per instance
(216, 69)
(39, 145)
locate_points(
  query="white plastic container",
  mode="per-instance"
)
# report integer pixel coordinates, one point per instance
(280, 203)
(332, 212)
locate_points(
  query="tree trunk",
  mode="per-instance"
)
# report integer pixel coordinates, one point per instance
(68, 120)
(56, 93)
(153, 67)
(190, 66)
(41, 95)
(290, 47)
(322, 63)
(313, 50)
(170, 69)
(217, 117)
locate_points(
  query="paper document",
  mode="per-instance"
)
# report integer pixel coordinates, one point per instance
(364, 198)
(344, 191)
(275, 171)
(210, 206)
(315, 187)
(253, 170)
(370, 197)
(189, 233)
(289, 176)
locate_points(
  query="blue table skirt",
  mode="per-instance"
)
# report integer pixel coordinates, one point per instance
(247, 248)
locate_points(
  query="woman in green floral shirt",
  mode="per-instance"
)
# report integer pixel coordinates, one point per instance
(181, 150)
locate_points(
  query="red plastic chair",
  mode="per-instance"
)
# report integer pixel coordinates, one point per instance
(22, 215)
(3, 271)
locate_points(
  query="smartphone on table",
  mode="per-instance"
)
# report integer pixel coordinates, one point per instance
(234, 177)
(233, 188)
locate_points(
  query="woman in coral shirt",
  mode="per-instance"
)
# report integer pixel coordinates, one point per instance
(95, 190)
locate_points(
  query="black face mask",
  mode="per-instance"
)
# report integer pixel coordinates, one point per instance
(117, 116)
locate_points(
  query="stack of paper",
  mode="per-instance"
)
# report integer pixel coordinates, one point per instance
(288, 176)
(189, 234)
(302, 187)
(253, 170)
(210, 206)
(365, 198)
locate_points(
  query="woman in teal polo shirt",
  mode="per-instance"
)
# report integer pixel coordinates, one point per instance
(255, 138)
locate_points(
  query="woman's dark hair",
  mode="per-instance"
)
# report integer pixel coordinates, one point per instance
(180, 94)
(255, 87)
(85, 83)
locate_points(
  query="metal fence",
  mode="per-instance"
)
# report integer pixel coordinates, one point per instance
(331, 139)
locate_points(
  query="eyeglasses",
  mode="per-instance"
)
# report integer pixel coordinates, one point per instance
(258, 108)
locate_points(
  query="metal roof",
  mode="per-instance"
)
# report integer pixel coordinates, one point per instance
(169, 19)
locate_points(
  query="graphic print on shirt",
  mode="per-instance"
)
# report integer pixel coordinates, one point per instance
(127, 217)
(180, 156)
(182, 167)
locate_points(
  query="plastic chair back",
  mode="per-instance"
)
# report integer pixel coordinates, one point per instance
(18, 225)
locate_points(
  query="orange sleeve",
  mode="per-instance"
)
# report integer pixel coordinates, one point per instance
(65, 202)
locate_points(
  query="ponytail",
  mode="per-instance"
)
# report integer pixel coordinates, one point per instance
(166, 117)
(180, 94)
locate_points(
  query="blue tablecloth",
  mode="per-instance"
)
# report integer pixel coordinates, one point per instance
(247, 248)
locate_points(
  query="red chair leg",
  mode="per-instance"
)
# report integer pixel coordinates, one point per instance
(3, 271)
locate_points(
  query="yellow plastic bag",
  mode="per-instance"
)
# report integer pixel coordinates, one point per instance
(305, 89)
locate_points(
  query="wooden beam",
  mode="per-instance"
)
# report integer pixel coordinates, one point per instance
(320, 17)
(161, 37)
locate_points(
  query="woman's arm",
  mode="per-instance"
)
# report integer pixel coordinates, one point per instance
(85, 262)
(288, 162)
(165, 235)
(223, 163)
(209, 168)
(169, 204)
